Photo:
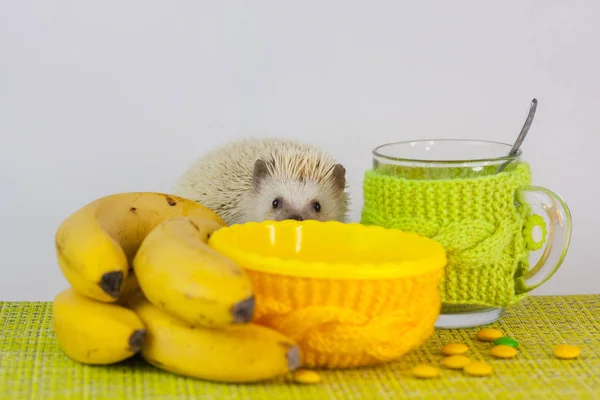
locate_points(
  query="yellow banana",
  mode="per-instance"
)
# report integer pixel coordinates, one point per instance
(96, 243)
(129, 288)
(234, 353)
(179, 273)
(93, 332)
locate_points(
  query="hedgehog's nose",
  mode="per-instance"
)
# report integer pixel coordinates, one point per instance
(296, 217)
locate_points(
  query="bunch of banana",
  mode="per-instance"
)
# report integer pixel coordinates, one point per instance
(96, 244)
(145, 280)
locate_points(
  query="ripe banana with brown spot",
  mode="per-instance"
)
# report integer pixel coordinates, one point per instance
(234, 353)
(93, 332)
(96, 243)
(179, 273)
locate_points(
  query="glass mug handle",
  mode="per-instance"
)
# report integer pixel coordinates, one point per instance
(558, 235)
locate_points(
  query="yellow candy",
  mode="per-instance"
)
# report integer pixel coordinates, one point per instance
(425, 371)
(566, 351)
(306, 376)
(489, 334)
(452, 349)
(503, 351)
(455, 362)
(478, 368)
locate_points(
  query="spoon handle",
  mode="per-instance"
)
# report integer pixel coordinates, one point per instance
(522, 134)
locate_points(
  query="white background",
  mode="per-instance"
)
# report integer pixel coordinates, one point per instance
(98, 97)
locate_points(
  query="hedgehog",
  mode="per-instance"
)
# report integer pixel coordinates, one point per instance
(259, 179)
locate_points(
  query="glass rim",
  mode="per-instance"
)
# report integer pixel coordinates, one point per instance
(376, 152)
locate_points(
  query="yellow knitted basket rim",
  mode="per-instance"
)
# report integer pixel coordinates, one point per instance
(223, 240)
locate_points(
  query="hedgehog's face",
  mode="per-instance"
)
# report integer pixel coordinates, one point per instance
(278, 200)
(294, 200)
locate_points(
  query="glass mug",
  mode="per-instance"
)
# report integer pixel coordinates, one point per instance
(478, 202)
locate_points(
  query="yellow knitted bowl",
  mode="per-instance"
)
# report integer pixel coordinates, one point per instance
(350, 295)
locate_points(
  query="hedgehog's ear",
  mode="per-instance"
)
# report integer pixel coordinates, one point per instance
(338, 176)
(261, 171)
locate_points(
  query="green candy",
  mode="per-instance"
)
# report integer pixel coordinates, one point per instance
(508, 341)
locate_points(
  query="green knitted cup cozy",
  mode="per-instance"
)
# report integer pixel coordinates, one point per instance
(475, 219)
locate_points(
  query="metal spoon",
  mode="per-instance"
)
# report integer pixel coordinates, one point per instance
(521, 137)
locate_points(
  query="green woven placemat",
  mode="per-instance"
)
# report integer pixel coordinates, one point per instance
(33, 367)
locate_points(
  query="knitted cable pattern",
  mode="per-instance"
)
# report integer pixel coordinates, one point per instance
(474, 218)
(349, 323)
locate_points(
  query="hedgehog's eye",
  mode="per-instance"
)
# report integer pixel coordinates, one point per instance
(317, 206)
(276, 203)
